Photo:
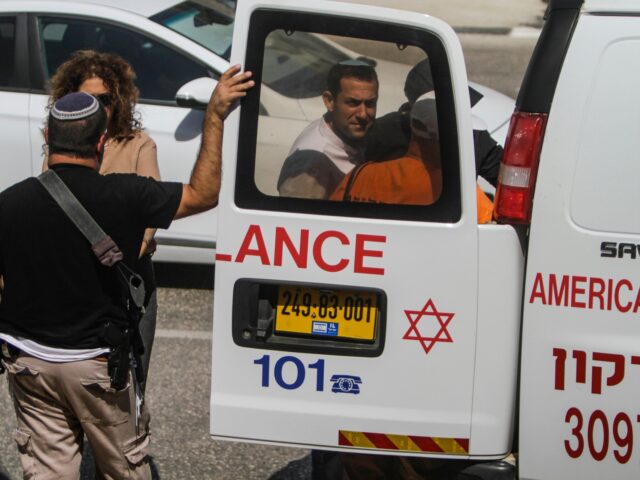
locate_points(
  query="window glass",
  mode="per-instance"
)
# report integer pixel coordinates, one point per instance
(209, 25)
(160, 70)
(362, 117)
(7, 47)
(295, 69)
(353, 128)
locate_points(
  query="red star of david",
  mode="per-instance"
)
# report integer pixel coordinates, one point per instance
(415, 316)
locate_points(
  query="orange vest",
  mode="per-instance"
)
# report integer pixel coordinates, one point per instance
(403, 181)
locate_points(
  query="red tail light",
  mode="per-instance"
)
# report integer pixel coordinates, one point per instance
(519, 167)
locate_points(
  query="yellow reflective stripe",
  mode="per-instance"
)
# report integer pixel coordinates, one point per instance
(404, 443)
(449, 445)
(358, 439)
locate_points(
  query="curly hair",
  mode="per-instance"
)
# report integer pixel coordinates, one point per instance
(117, 75)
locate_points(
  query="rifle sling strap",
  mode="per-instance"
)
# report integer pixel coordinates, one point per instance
(103, 246)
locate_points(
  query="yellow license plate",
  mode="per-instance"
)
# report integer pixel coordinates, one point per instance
(327, 313)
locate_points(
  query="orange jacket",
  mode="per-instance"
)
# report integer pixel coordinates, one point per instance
(403, 181)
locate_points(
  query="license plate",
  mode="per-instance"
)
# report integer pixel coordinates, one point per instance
(327, 313)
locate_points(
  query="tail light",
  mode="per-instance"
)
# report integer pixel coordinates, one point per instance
(519, 168)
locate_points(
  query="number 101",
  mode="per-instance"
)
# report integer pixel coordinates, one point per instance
(299, 370)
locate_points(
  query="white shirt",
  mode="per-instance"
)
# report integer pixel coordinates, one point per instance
(51, 354)
(318, 136)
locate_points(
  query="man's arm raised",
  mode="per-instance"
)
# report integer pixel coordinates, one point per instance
(201, 193)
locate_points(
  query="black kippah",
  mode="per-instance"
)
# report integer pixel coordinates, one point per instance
(75, 106)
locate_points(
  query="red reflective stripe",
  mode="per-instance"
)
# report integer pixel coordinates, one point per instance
(380, 440)
(404, 443)
(426, 444)
(464, 443)
(344, 441)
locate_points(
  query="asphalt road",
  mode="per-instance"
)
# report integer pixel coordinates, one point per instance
(178, 388)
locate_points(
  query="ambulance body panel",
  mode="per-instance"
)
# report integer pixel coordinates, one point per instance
(409, 382)
(467, 320)
(580, 325)
(500, 280)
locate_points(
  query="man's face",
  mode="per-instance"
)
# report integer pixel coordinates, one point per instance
(353, 110)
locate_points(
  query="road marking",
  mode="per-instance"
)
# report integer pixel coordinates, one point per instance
(525, 32)
(189, 334)
(515, 32)
(483, 30)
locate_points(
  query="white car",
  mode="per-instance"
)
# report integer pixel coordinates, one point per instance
(169, 45)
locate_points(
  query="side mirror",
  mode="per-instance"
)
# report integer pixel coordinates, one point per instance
(196, 93)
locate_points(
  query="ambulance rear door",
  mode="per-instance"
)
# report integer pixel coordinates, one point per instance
(344, 324)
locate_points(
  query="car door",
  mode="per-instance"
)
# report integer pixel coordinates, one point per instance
(344, 324)
(14, 100)
(160, 71)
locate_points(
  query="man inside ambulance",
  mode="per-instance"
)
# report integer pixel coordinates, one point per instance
(330, 147)
(389, 136)
(414, 178)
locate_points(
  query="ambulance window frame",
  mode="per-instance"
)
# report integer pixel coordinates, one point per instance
(447, 209)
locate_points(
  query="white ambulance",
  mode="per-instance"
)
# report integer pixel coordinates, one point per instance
(410, 329)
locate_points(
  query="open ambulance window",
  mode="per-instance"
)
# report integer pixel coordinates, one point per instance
(355, 120)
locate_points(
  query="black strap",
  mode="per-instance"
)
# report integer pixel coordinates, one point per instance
(352, 178)
(103, 246)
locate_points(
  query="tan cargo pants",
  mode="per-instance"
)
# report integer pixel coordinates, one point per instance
(57, 403)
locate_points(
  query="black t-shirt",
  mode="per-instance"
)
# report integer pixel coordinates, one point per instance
(56, 292)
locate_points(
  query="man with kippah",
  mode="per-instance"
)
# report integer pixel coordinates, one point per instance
(58, 298)
(331, 146)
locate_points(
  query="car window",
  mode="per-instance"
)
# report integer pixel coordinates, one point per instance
(210, 26)
(295, 69)
(7, 47)
(160, 70)
(374, 135)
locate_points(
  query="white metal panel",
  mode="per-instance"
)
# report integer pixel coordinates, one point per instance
(36, 121)
(14, 138)
(404, 391)
(176, 132)
(579, 382)
(500, 280)
(417, 402)
(611, 6)
(179, 253)
(610, 143)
